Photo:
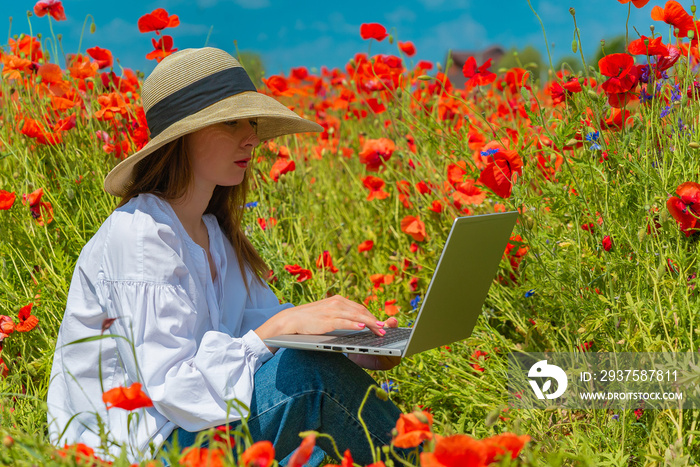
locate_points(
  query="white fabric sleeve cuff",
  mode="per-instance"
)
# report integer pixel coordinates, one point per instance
(258, 347)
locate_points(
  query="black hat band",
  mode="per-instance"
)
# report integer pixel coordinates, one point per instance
(197, 96)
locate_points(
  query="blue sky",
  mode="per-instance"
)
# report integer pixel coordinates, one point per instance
(313, 33)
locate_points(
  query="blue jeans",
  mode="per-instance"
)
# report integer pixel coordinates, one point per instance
(299, 390)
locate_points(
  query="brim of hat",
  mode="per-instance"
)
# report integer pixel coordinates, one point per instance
(274, 119)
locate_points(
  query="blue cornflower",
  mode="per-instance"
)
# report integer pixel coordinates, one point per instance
(676, 93)
(682, 126)
(252, 204)
(489, 152)
(593, 136)
(667, 110)
(644, 77)
(616, 417)
(529, 293)
(415, 302)
(659, 84)
(389, 386)
(645, 97)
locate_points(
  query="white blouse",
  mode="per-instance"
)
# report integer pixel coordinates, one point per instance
(188, 341)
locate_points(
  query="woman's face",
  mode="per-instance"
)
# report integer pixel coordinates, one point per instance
(220, 153)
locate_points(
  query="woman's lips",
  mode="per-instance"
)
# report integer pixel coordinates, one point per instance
(243, 163)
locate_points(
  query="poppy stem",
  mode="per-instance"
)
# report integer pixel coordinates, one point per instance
(364, 425)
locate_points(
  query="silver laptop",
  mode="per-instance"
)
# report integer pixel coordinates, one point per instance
(452, 304)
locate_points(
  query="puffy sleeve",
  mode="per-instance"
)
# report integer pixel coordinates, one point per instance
(188, 377)
(165, 338)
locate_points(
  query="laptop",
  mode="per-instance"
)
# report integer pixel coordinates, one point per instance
(452, 303)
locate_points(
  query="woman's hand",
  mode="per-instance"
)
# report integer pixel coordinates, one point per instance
(330, 314)
(377, 362)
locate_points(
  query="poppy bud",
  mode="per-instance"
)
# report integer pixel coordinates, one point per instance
(692, 9)
(574, 46)
(602, 42)
(29, 14)
(651, 28)
(381, 394)
(93, 28)
(420, 416)
(691, 34)
(492, 417)
(572, 11)
(70, 194)
(8, 442)
(439, 66)
(391, 39)
(424, 77)
(15, 175)
(59, 36)
(693, 145)
(38, 79)
(641, 234)
(663, 215)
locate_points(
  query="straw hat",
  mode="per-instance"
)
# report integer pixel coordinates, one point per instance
(195, 88)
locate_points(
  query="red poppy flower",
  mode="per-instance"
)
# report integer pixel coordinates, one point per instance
(412, 429)
(112, 104)
(480, 76)
(636, 3)
(197, 457)
(7, 327)
(390, 307)
(375, 152)
(52, 7)
(326, 262)
(7, 199)
(83, 454)
(607, 243)
(647, 46)
(130, 398)
(303, 453)
(157, 20)
(468, 192)
(454, 451)
(27, 321)
(408, 48)
(376, 187)
(163, 47)
(81, 67)
(673, 13)
(503, 445)
(456, 172)
(281, 167)
(621, 70)
(365, 246)
(373, 31)
(260, 454)
(347, 461)
(41, 211)
(103, 57)
(478, 354)
(296, 270)
(685, 208)
(414, 227)
(501, 172)
(28, 45)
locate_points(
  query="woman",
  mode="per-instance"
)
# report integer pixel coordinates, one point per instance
(179, 285)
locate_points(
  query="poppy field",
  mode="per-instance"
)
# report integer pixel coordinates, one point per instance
(603, 166)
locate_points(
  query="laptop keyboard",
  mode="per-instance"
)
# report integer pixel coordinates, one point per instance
(369, 339)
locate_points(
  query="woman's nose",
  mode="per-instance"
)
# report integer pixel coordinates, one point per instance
(251, 136)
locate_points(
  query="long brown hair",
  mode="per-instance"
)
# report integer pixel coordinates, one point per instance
(167, 173)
